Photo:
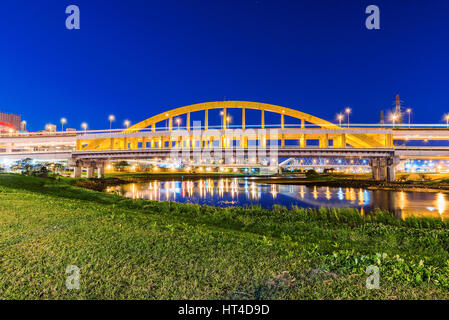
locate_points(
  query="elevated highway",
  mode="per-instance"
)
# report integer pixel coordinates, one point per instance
(237, 145)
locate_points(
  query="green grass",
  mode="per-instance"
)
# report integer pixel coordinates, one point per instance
(137, 249)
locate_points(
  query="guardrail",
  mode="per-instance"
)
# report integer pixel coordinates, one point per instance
(266, 126)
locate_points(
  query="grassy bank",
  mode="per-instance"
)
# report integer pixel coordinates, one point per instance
(139, 249)
(350, 181)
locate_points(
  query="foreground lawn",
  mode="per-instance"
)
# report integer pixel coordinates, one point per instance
(136, 249)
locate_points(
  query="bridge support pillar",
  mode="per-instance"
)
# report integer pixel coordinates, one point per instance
(302, 141)
(384, 169)
(90, 171)
(342, 141)
(324, 141)
(77, 172)
(378, 169)
(100, 171)
(392, 162)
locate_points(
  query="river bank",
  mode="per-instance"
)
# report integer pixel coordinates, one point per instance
(120, 179)
(319, 181)
(421, 186)
(140, 249)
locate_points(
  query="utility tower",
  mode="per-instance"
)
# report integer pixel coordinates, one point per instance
(398, 111)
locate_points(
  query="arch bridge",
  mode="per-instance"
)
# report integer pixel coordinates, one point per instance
(157, 136)
(159, 132)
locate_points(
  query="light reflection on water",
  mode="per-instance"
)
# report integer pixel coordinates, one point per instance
(245, 192)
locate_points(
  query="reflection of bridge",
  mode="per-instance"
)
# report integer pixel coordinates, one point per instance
(241, 145)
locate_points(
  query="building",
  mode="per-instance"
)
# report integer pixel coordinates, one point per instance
(50, 128)
(9, 121)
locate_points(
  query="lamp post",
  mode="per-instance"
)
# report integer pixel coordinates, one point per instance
(166, 124)
(340, 118)
(447, 121)
(348, 111)
(127, 123)
(63, 122)
(178, 122)
(111, 119)
(84, 126)
(409, 111)
(222, 119)
(394, 117)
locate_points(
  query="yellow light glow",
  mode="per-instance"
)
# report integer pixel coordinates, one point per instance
(441, 203)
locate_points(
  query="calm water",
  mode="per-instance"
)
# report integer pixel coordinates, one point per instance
(244, 192)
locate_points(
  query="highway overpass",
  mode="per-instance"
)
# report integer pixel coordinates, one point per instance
(156, 137)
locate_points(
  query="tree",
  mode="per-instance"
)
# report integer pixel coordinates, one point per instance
(311, 173)
(121, 165)
(25, 165)
(58, 167)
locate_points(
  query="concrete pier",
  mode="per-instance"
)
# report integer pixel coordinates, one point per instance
(92, 166)
(384, 169)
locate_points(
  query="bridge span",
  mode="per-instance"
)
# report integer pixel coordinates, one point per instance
(231, 145)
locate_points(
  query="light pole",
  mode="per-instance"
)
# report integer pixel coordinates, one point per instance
(228, 121)
(409, 111)
(127, 123)
(447, 121)
(348, 111)
(178, 122)
(166, 126)
(394, 117)
(63, 122)
(84, 126)
(111, 119)
(222, 119)
(340, 118)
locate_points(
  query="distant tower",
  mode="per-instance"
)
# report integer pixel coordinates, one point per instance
(398, 111)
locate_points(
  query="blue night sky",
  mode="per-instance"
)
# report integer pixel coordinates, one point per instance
(137, 58)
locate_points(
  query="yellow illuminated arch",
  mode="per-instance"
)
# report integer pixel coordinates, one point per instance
(230, 105)
(359, 141)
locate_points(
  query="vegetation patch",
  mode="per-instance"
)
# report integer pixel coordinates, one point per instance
(139, 249)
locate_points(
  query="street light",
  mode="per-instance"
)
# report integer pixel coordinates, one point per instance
(409, 111)
(166, 126)
(447, 121)
(222, 120)
(63, 122)
(127, 123)
(228, 121)
(340, 118)
(394, 117)
(178, 122)
(348, 111)
(111, 119)
(84, 126)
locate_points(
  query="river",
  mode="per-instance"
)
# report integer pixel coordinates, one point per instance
(224, 192)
